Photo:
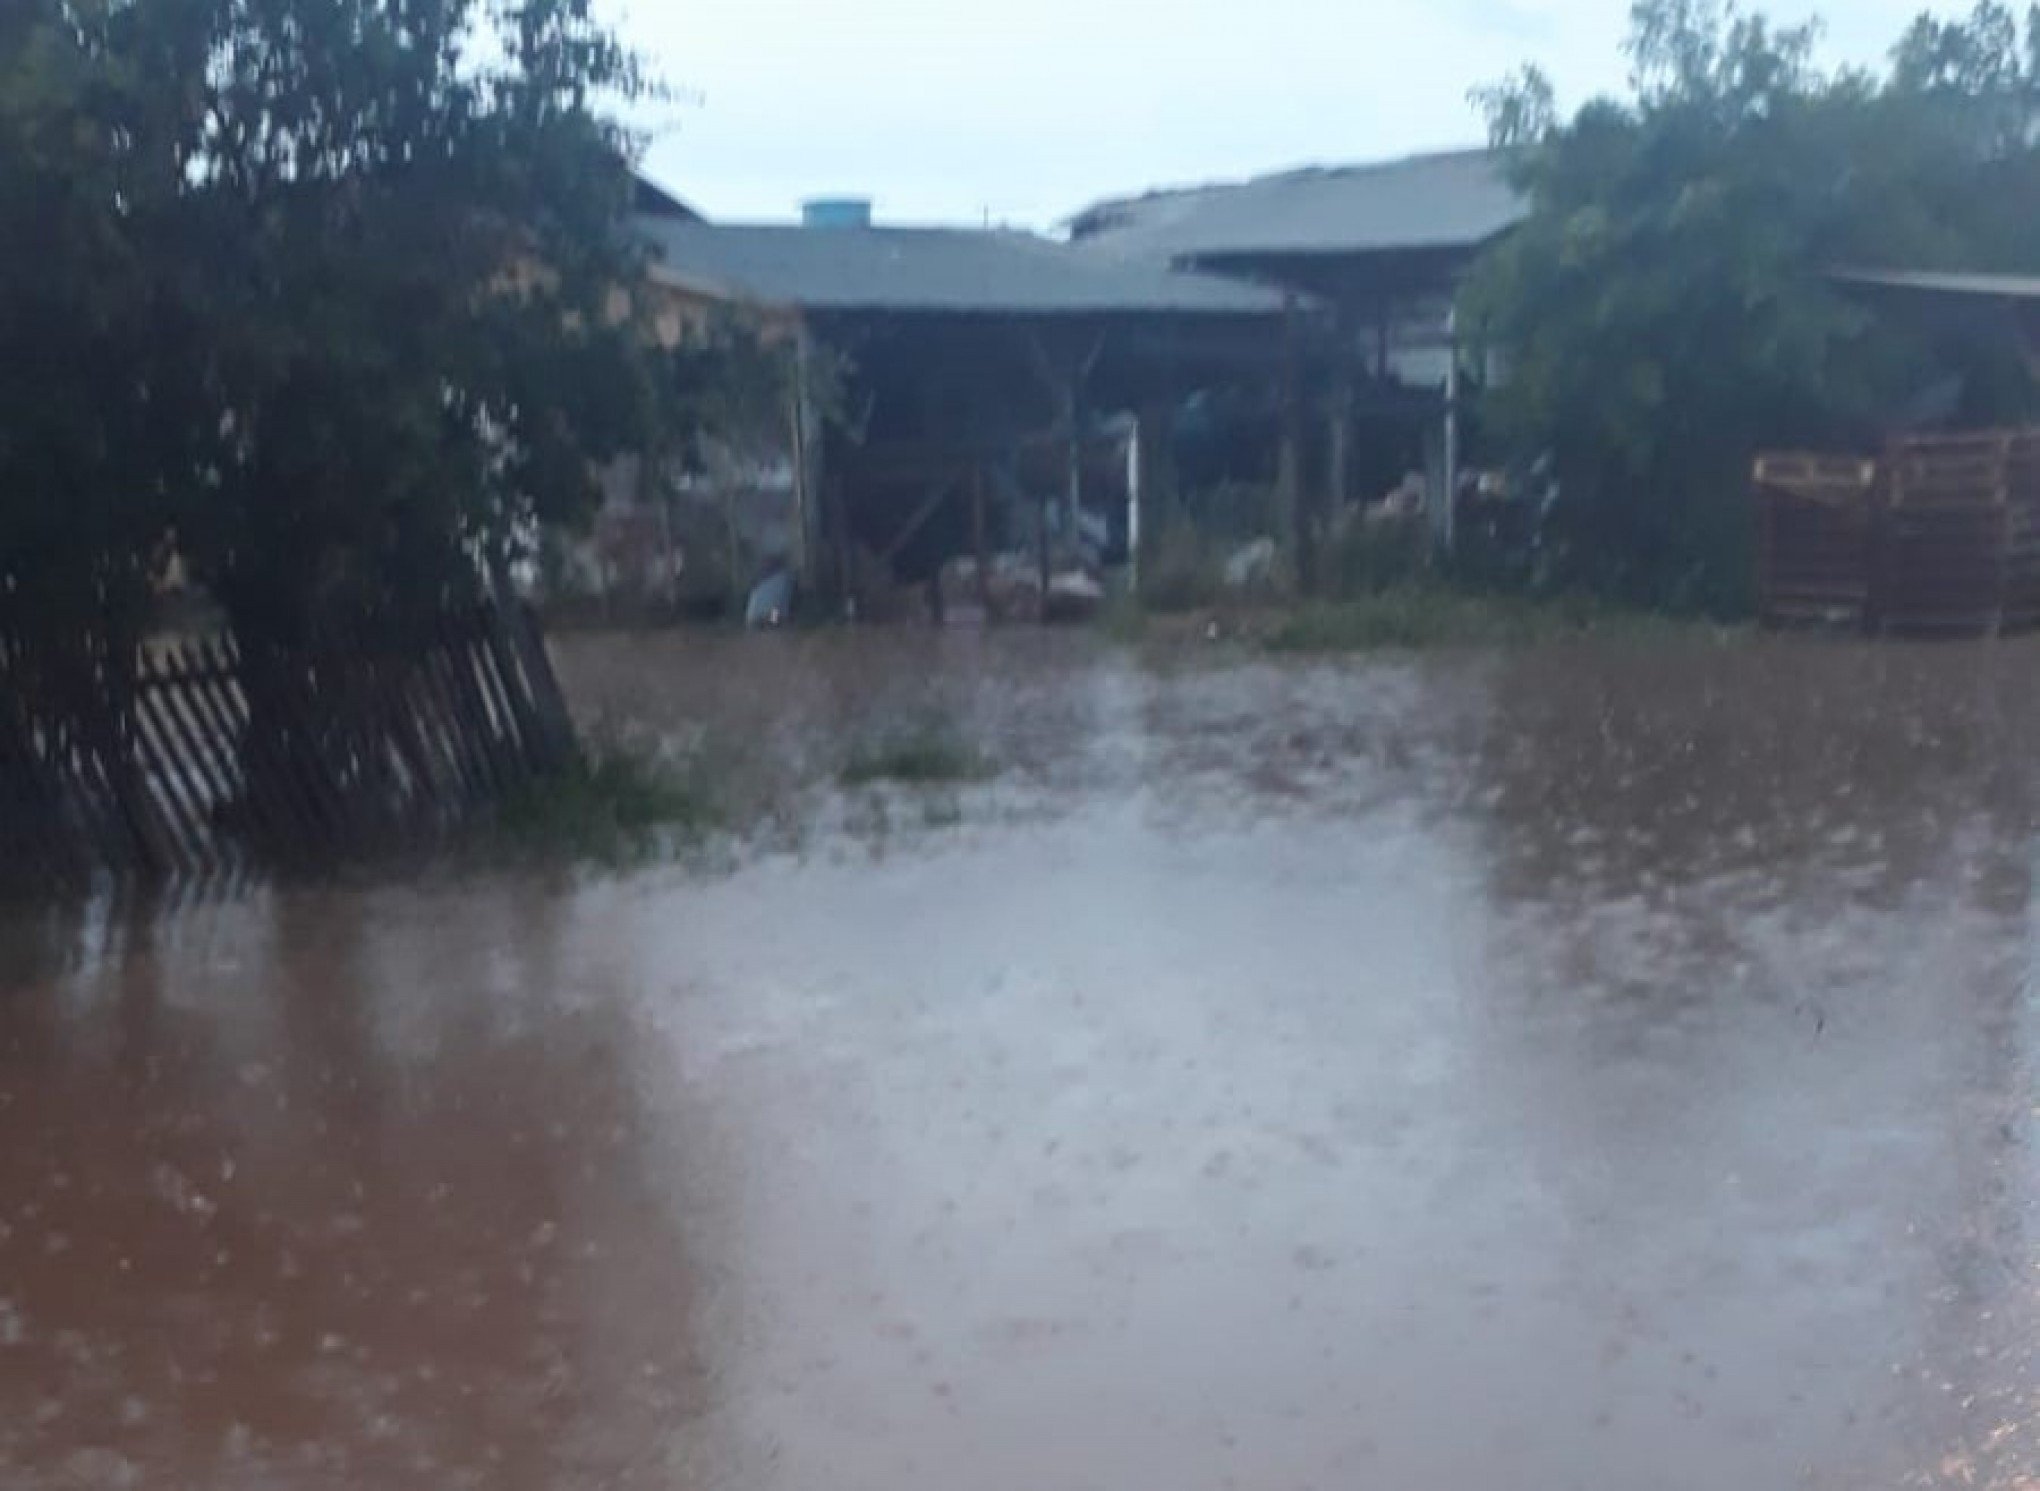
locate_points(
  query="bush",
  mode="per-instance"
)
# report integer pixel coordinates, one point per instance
(615, 804)
(1365, 557)
(1433, 615)
(1182, 571)
(927, 754)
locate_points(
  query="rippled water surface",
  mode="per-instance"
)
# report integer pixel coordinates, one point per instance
(1600, 1066)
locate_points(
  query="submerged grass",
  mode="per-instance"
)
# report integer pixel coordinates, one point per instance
(924, 754)
(616, 805)
(1415, 616)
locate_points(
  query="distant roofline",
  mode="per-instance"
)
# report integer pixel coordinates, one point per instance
(650, 199)
(1140, 290)
(1317, 171)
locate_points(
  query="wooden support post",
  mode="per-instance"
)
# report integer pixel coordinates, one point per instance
(1339, 426)
(1289, 455)
(1451, 429)
(1073, 421)
(810, 521)
(1063, 373)
(980, 543)
(1159, 498)
(839, 519)
(1042, 546)
(1133, 480)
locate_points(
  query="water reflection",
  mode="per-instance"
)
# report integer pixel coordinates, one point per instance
(1761, 972)
(1599, 1067)
(327, 1190)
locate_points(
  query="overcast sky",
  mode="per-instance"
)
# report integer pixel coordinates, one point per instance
(1026, 110)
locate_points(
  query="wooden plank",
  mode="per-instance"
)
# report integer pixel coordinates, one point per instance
(210, 760)
(175, 782)
(290, 759)
(438, 698)
(477, 711)
(542, 686)
(287, 825)
(381, 711)
(291, 828)
(186, 765)
(502, 653)
(264, 815)
(506, 730)
(472, 714)
(127, 792)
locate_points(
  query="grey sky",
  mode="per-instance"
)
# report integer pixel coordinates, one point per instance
(949, 110)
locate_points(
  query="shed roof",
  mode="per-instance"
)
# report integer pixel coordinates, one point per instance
(931, 271)
(653, 200)
(1458, 200)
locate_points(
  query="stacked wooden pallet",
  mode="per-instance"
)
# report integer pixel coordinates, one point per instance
(1940, 536)
(2022, 561)
(1958, 540)
(1815, 519)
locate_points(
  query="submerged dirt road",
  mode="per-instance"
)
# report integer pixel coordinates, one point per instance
(1594, 1067)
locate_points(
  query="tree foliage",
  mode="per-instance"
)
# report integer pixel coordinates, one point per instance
(1668, 308)
(327, 291)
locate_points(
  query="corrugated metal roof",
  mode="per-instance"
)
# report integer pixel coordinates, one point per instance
(1992, 286)
(930, 270)
(1454, 201)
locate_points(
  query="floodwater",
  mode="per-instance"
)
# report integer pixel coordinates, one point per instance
(1599, 1066)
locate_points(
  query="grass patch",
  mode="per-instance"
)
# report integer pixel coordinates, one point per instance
(616, 805)
(1124, 619)
(928, 754)
(1411, 616)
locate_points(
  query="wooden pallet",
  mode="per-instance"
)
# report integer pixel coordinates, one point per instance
(1814, 538)
(1941, 536)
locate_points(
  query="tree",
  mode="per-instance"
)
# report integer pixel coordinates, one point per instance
(336, 292)
(1667, 308)
(102, 416)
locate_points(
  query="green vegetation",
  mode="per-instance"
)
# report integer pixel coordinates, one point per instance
(929, 753)
(1667, 311)
(1437, 615)
(1125, 618)
(1364, 558)
(324, 291)
(615, 806)
(1183, 570)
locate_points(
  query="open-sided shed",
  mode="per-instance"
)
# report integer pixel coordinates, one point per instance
(1383, 248)
(957, 356)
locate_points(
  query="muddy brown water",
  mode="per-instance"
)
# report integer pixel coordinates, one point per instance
(1597, 1066)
